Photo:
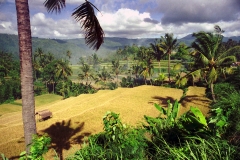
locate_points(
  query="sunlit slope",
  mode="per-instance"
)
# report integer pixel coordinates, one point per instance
(88, 109)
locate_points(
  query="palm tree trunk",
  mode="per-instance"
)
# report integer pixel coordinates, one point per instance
(25, 52)
(169, 67)
(159, 65)
(212, 91)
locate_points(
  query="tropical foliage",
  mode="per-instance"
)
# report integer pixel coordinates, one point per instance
(211, 59)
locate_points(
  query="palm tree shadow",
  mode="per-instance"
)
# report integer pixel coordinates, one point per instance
(161, 100)
(63, 134)
(197, 100)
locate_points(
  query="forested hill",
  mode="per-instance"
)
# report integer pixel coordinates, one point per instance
(77, 47)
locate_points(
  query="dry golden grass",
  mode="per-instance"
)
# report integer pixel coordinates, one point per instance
(77, 117)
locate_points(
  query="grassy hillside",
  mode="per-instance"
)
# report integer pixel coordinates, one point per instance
(83, 114)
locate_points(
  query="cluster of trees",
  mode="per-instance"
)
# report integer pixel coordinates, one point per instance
(10, 87)
(206, 60)
(50, 70)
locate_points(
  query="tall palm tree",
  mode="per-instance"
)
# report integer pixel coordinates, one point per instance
(63, 70)
(145, 58)
(93, 36)
(116, 67)
(85, 72)
(103, 76)
(147, 69)
(211, 58)
(96, 60)
(168, 44)
(25, 53)
(157, 52)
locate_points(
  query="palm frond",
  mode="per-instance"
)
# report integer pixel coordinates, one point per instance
(212, 76)
(181, 81)
(177, 67)
(231, 51)
(93, 31)
(54, 5)
(226, 61)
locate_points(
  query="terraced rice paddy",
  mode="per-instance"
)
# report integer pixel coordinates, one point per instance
(83, 114)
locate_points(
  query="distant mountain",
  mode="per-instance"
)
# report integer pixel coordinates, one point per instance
(78, 48)
(189, 39)
(59, 47)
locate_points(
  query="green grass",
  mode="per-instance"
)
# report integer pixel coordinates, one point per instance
(39, 101)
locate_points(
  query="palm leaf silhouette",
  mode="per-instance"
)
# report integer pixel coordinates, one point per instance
(89, 22)
(94, 34)
(54, 5)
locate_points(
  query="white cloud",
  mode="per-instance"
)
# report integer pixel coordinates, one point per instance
(131, 19)
(128, 23)
(49, 28)
(8, 27)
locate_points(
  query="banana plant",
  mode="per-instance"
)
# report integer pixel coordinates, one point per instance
(193, 122)
(171, 113)
(166, 119)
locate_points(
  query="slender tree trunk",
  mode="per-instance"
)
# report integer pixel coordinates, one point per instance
(212, 91)
(159, 65)
(169, 67)
(25, 52)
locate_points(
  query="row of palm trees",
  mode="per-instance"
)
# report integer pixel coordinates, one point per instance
(210, 57)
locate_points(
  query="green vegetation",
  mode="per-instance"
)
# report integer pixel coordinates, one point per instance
(181, 130)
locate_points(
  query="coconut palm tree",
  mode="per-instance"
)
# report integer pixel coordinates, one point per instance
(103, 76)
(168, 44)
(86, 72)
(145, 58)
(158, 52)
(211, 58)
(62, 70)
(147, 69)
(93, 35)
(116, 67)
(96, 61)
(25, 53)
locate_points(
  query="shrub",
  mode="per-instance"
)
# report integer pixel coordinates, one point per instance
(225, 112)
(118, 141)
(127, 82)
(38, 148)
(112, 85)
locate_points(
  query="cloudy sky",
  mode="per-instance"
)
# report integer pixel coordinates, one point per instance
(130, 18)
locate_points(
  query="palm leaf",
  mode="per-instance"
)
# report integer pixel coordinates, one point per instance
(177, 67)
(232, 51)
(54, 5)
(93, 31)
(212, 76)
(226, 61)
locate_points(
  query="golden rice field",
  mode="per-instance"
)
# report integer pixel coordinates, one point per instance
(78, 117)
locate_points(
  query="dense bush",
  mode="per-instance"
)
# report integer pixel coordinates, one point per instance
(69, 88)
(127, 82)
(112, 85)
(226, 106)
(10, 90)
(118, 141)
